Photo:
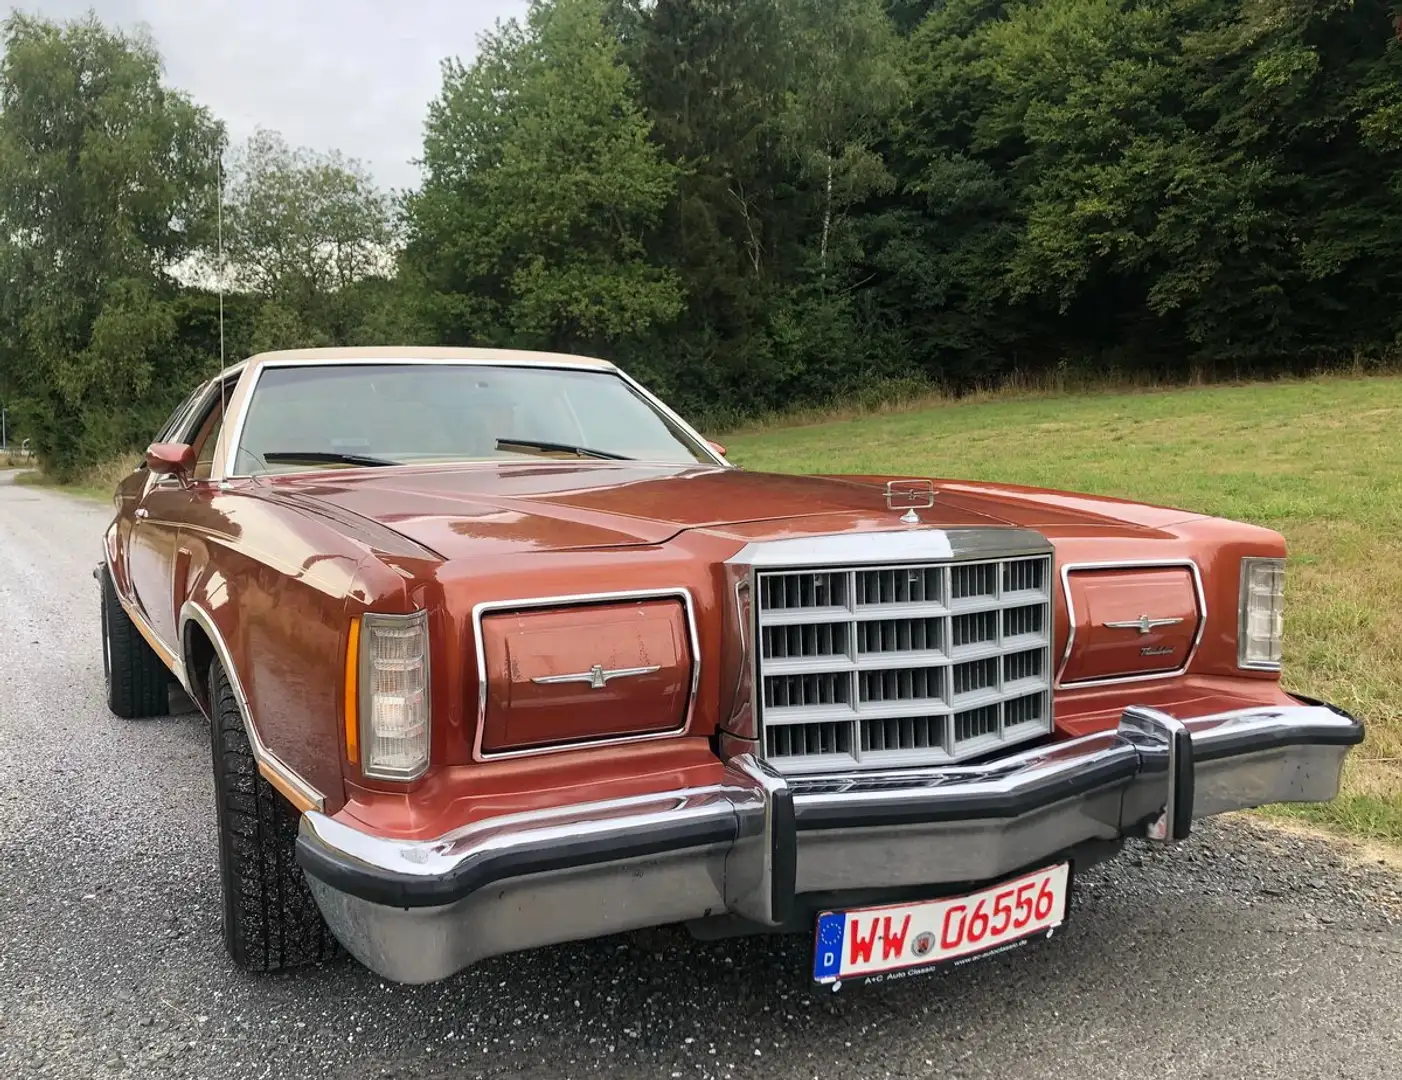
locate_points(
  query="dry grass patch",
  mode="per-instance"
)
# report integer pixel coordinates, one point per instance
(98, 482)
(1319, 459)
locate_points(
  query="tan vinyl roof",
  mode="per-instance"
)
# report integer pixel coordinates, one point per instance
(391, 353)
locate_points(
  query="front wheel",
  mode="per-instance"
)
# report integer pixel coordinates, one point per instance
(270, 919)
(138, 683)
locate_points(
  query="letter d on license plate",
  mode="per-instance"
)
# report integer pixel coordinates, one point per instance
(877, 941)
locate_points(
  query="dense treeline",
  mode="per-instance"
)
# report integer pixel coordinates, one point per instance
(750, 203)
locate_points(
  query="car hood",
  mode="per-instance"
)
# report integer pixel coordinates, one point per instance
(501, 508)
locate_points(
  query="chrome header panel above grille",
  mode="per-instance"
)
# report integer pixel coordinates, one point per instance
(933, 646)
(892, 546)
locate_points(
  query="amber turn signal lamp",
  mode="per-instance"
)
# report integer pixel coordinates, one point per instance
(352, 697)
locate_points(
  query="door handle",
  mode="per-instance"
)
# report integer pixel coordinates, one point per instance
(142, 512)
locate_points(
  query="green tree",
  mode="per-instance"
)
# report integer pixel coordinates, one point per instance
(906, 15)
(847, 85)
(541, 189)
(1188, 181)
(301, 229)
(761, 104)
(107, 182)
(752, 203)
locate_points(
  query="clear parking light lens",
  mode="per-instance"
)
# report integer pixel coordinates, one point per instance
(1262, 613)
(394, 697)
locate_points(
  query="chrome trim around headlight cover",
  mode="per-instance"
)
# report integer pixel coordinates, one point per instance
(535, 603)
(1127, 564)
(741, 719)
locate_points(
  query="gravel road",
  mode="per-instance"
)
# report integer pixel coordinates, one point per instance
(1245, 952)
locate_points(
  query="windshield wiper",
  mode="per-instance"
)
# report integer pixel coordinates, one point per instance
(563, 448)
(316, 457)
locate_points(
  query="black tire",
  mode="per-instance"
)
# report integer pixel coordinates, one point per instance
(270, 919)
(138, 682)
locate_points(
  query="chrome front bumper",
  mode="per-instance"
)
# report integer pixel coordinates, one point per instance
(753, 845)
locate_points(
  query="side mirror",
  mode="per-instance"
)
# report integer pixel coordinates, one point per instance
(717, 447)
(171, 459)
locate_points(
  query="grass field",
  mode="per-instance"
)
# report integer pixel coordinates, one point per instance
(1319, 460)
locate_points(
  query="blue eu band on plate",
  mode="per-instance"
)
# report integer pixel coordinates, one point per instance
(878, 941)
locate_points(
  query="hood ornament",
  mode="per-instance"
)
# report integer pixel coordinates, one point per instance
(910, 496)
(596, 677)
(1143, 624)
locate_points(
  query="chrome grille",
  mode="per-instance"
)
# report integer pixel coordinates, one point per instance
(1022, 665)
(804, 691)
(976, 628)
(1024, 620)
(790, 592)
(976, 723)
(797, 740)
(805, 639)
(900, 684)
(899, 635)
(902, 733)
(909, 586)
(973, 582)
(888, 666)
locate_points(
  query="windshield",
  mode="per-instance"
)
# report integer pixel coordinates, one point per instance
(367, 415)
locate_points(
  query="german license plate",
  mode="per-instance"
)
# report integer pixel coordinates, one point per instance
(878, 943)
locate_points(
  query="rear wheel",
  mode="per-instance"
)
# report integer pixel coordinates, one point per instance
(138, 683)
(270, 919)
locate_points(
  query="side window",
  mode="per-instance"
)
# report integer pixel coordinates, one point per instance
(206, 439)
(173, 420)
(201, 431)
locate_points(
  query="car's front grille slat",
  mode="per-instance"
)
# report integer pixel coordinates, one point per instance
(882, 666)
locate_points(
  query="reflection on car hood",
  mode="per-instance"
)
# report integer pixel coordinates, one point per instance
(508, 507)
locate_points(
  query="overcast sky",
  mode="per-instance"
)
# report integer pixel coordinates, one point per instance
(352, 75)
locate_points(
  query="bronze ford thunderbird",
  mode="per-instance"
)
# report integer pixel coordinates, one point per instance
(498, 652)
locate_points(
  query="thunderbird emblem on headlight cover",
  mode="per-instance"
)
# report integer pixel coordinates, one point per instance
(596, 677)
(1143, 624)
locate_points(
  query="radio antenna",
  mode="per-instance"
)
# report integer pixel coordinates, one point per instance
(219, 227)
(219, 243)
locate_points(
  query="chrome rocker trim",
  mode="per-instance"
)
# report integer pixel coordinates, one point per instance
(751, 845)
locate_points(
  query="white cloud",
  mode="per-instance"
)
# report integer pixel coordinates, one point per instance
(349, 75)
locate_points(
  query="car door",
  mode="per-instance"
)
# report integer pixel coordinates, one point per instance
(132, 490)
(162, 508)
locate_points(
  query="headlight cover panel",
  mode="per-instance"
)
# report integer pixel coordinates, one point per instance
(1130, 621)
(560, 672)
